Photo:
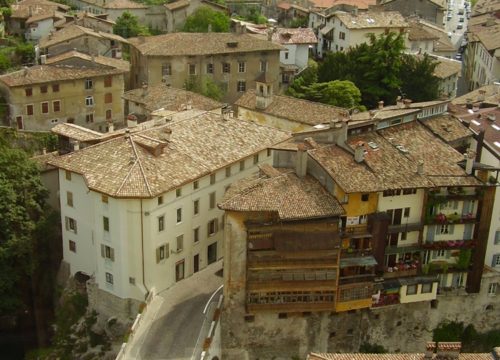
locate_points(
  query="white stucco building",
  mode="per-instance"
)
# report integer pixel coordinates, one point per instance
(139, 208)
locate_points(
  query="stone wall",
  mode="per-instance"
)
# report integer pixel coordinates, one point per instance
(399, 328)
(109, 305)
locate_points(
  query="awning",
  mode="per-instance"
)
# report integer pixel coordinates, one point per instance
(358, 261)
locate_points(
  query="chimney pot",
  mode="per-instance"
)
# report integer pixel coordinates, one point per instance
(301, 161)
(131, 121)
(111, 127)
(76, 145)
(381, 104)
(420, 168)
(430, 347)
(469, 161)
(448, 350)
(407, 103)
(359, 153)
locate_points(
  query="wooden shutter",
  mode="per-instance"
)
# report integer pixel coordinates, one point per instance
(103, 251)
(157, 255)
(112, 254)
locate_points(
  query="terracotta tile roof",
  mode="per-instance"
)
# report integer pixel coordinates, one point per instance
(284, 5)
(285, 36)
(31, 8)
(418, 32)
(47, 73)
(177, 5)
(443, 43)
(125, 4)
(368, 20)
(485, 7)
(282, 191)
(101, 60)
(440, 3)
(76, 132)
(488, 35)
(57, 15)
(178, 44)
(358, 356)
(360, 4)
(126, 166)
(490, 94)
(298, 110)
(41, 160)
(169, 98)
(393, 163)
(447, 128)
(74, 31)
(447, 68)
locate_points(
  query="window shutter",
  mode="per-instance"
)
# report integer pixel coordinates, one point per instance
(451, 228)
(103, 251)
(494, 261)
(66, 221)
(438, 229)
(433, 254)
(157, 255)
(167, 251)
(208, 229)
(112, 254)
(447, 253)
(74, 221)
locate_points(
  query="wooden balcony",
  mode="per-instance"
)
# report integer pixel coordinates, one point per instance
(355, 231)
(356, 279)
(261, 260)
(400, 273)
(405, 227)
(350, 252)
(442, 219)
(314, 285)
(292, 307)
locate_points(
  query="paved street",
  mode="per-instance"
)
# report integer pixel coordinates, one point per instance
(172, 323)
(451, 25)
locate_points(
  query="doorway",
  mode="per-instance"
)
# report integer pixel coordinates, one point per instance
(212, 253)
(179, 270)
(196, 263)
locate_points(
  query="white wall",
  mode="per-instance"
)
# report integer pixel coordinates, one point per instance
(43, 28)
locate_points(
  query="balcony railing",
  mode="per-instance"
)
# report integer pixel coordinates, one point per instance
(356, 279)
(450, 219)
(449, 244)
(405, 227)
(355, 230)
(353, 252)
(400, 273)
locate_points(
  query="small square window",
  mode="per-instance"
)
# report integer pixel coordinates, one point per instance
(160, 200)
(196, 184)
(109, 278)
(28, 91)
(45, 107)
(178, 192)
(166, 69)
(72, 246)
(226, 67)
(228, 171)
(404, 235)
(212, 179)
(192, 69)
(179, 215)
(105, 223)
(256, 159)
(108, 81)
(426, 288)
(131, 280)
(29, 110)
(55, 87)
(108, 98)
(242, 165)
(161, 223)
(365, 197)
(210, 68)
(43, 89)
(68, 175)
(89, 101)
(241, 86)
(89, 118)
(241, 67)
(88, 84)
(56, 106)
(269, 152)
(411, 289)
(406, 212)
(104, 199)
(109, 114)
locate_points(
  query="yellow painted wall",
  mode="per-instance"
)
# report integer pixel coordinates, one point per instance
(355, 206)
(404, 299)
(353, 305)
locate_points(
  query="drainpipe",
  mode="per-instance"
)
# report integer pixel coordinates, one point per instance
(142, 251)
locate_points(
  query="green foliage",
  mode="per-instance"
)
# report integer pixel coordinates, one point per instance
(464, 257)
(5, 62)
(376, 68)
(25, 53)
(203, 17)
(448, 331)
(341, 93)
(417, 80)
(306, 78)
(249, 13)
(367, 348)
(204, 86)
(6, 11)
(127, 25)
(300, 22)
(21, 206)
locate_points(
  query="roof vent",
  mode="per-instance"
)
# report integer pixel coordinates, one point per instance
(232, 44)
(402, 149)
(492, 117)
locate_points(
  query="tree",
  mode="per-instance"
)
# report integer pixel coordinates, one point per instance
(127, 25)
(341, 93)
(417, 76)
(374, 67)
(306, 78)
(206, 87)
(203, 18)
(21, 207)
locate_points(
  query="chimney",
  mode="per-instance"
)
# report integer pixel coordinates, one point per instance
(420, 167)
(481, 95)
(209, 28)
(30, 11)
(189, 105)
(399, 102)
(359, 153)
(165, 134)
(263, 95)
(301, 161)
(430, 347)
(407, 103)
(144, 89)
(448, 350)
(131, 121)
(25, 71)
(381, 104)
(111, 127)
(270, 33)
(44, 151)
(43, 59)
(76, 145)
(469, 161)
(479, 146)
